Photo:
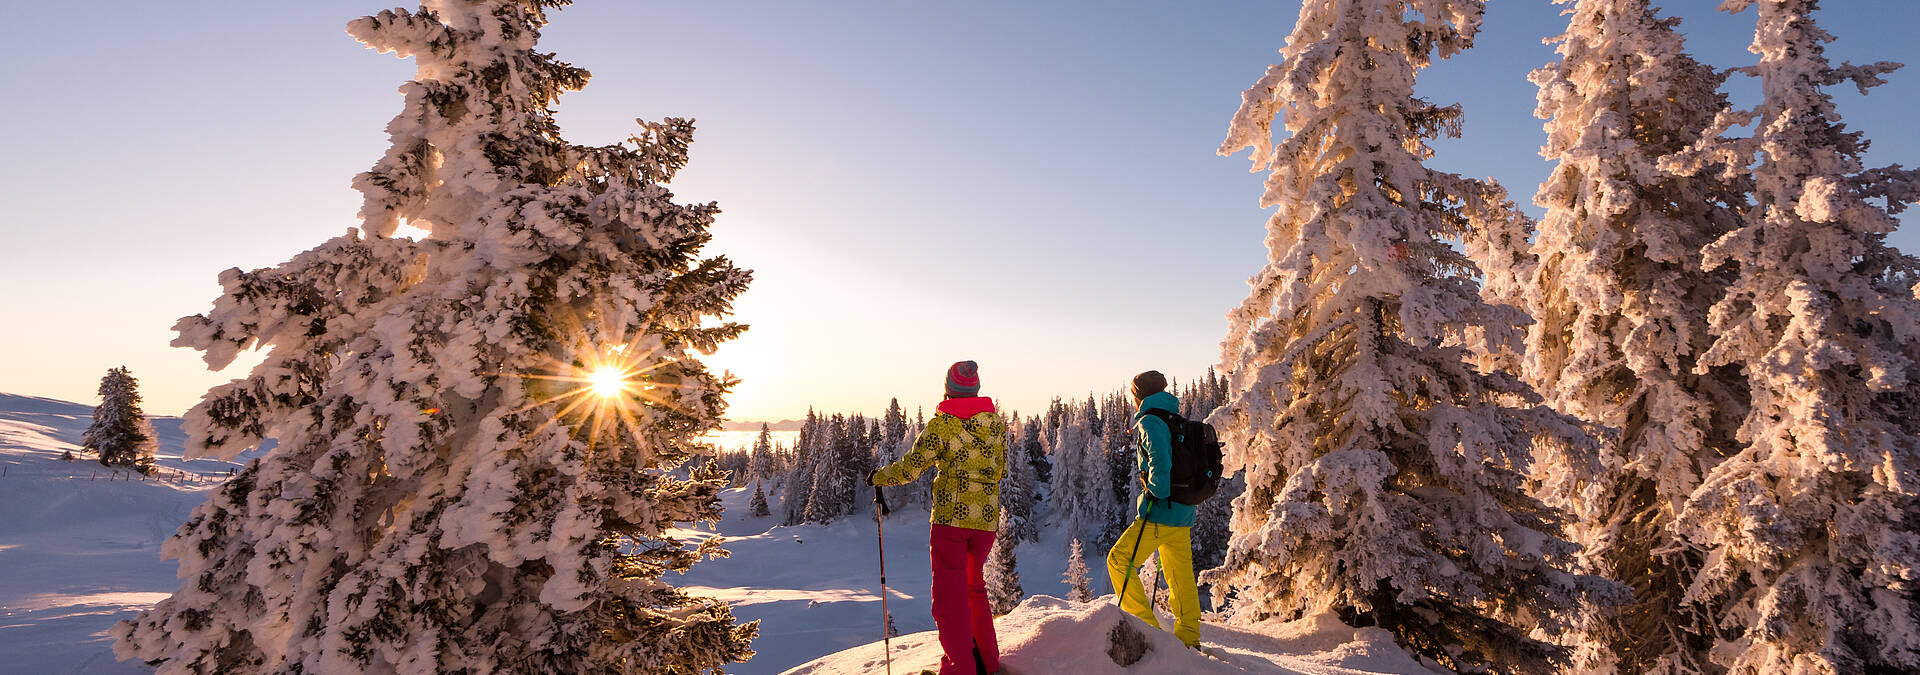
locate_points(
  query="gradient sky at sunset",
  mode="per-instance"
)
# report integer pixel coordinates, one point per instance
(1031, 185)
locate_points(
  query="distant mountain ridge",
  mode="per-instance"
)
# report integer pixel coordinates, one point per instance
(754, 425)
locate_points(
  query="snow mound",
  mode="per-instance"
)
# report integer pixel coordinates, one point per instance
(1046, 634)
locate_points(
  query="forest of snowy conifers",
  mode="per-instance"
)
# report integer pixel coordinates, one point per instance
(1074, 463)
(1673, 426)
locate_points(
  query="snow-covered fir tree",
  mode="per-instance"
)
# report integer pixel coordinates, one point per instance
(1385, 475)
(1034, 441)
(757, 507)
(1079, 589)
(1123, 465)
(449, 493)
(760, 459)
(1082, 489)
(120, 434)
(1619, 299)
(1810, 531)
(1019, 492)
(799, 477)
(1002, 573)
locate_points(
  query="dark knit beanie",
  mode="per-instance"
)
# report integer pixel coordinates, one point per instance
(963, 379)
(1148, 383)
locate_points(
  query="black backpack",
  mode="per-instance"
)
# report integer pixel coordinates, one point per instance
(1196, 458)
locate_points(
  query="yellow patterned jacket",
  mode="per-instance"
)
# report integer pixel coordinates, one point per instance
(967, 442)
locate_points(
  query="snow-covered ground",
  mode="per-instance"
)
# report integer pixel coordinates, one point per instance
(816, 591)
(1048, 635)
(79, 543)
(79, 550)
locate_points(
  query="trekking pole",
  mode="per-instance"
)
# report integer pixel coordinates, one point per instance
(886, 618)
(1121, 600)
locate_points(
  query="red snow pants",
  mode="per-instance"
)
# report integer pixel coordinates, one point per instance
(960, 607)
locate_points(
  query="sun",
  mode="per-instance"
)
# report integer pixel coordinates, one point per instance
(607, 381)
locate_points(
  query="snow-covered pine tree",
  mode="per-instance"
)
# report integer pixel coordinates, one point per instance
(1079, 589)
(1211, 521)
(120, 433)
(1035, 449)
(1122, 465)
(893, 427)
(799, 480)
(1619, 300)
(834, 476)
(757, 507)
(1002, 573)
(1018, 492)
(1385, 475)
(760, 459)
(1081, 487)
(450, 491)
(1810, 531)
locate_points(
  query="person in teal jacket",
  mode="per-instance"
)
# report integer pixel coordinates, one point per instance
(1160, 524)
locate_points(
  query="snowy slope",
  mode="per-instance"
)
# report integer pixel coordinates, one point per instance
(79, 543)
(79, 550)
(1049, 635)
(815, 590)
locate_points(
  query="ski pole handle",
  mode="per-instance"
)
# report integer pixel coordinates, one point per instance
(879, 501)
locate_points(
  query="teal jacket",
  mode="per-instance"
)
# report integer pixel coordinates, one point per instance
(1155, 456)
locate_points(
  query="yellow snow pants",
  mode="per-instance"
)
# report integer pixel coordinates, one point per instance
(1175, 545)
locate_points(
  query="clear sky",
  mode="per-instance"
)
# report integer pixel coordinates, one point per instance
(1031, 185)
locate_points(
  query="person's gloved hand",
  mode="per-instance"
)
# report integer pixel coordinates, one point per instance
(870, 474)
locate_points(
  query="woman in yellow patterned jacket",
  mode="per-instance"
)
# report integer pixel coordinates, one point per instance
(967, 442)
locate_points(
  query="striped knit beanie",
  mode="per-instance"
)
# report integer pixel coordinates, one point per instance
(963, 379)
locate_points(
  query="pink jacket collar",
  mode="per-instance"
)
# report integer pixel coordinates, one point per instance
(964, 408)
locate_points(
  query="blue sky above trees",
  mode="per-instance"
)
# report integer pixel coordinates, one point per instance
(1045, 171)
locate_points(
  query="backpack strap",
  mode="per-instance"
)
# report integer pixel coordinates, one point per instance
(1172, 421)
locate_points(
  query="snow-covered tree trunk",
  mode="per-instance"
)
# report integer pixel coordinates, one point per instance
(452, 491)
(1079, 589)
(1811, 536)
(1386, 477)
(1619, 299)
(120, 433)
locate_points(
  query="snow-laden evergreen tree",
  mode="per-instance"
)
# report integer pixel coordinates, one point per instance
(1619, 298)
(1812, 531)
(1082, 492)
(1123, 465)
(1385, 475)
(1002, 573)
(1019, 492)
(839, 471)
(1035, 449)
(1211, 522)
(799, 479)
(893, 428)
(760, 459)
(477, 430)
(757, 507)
(120, 433)
(1079, 589)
